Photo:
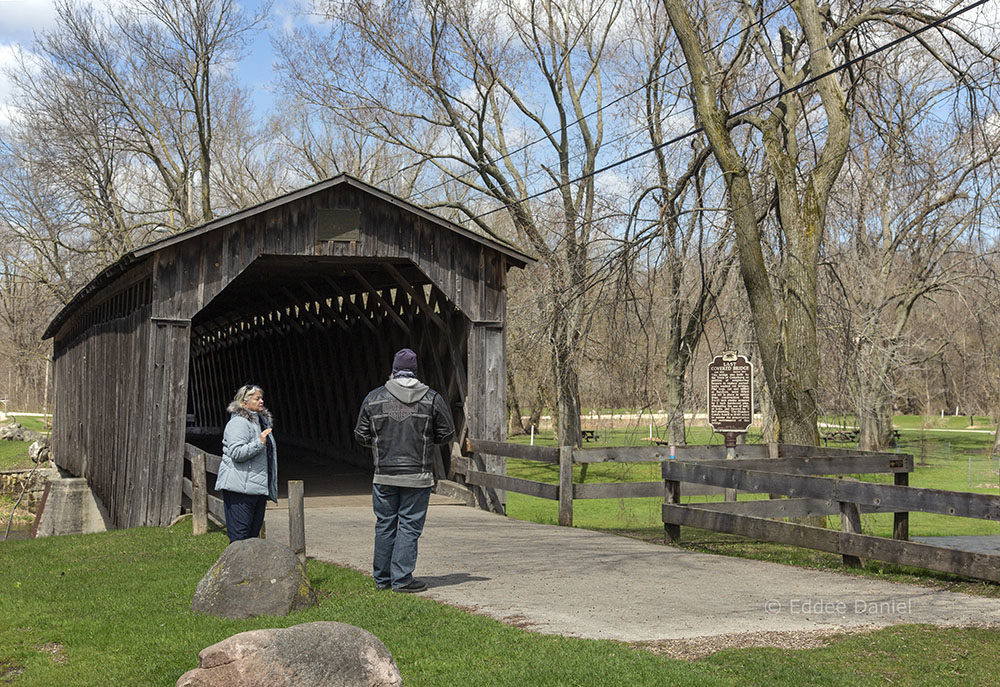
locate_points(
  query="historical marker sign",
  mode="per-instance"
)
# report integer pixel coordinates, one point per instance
(730, 393)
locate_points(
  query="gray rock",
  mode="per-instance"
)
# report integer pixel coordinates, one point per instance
(321, 654)
(12, 432)
(254, 577)
(39, 452)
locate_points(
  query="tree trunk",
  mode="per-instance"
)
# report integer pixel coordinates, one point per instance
(675, 392)
(567, 384)
(515, 425)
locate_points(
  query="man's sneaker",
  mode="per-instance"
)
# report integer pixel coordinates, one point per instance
(381, 586)
(414, 586)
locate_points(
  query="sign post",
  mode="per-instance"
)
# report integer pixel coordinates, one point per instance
(730, 400)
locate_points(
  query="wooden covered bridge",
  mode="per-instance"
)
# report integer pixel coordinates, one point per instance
(307, 295)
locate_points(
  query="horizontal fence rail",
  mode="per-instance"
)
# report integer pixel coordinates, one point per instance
(886, 496)
(813, 495)
(785, 458)
(200, 468)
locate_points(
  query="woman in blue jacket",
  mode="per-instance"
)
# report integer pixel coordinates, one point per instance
(248, 474)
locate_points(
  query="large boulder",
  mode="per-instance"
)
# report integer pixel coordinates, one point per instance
(321, 654)
(254, 577)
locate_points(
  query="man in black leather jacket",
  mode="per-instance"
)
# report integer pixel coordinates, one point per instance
(402, 422)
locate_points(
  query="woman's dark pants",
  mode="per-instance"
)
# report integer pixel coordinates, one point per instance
(244, 514)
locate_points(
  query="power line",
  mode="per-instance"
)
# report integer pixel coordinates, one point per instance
(791, 89)
(617, 100)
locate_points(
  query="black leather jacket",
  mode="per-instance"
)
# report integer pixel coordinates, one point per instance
(402, 425)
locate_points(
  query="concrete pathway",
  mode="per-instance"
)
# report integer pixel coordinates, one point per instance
(586, 584)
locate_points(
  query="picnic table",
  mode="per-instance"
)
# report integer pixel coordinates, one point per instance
(841, 435)
(849, 435)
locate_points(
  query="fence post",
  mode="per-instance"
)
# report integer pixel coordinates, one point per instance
(901, 521)
(566, 486)
(297, 519)
(730, 455)
(850, 522)
(199, 495)
(672, 489)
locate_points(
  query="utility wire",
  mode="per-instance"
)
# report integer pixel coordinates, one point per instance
(791, 89)
(668, 72)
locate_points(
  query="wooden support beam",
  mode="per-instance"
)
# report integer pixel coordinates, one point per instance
(672, 496)
(199, 495)
(901, 519)
(299, 303)
(418, 298)
(850, 522)
(335, 317)
(352, 306)
(373, 293)
(296, 519)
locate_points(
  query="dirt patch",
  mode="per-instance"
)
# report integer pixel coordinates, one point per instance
(9, 671)
(55, 650)
(698, 647)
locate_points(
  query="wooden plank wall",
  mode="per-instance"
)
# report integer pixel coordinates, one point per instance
(102, 420)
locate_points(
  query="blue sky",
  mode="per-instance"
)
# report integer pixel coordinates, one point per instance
(21, 19)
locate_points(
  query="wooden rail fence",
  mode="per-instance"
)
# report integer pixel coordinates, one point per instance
(847, 497)
(791, 475)
(803, 460)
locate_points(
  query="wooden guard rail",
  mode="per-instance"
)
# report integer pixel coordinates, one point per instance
(779, 470)
(202, 502)
(804, 460)
(196, 488)
(815, 495)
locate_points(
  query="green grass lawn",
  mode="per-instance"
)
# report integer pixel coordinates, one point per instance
(14, 455)
(114, 609)
(31, 422)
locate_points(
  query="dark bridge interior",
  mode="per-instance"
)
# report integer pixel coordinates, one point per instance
(317, 334)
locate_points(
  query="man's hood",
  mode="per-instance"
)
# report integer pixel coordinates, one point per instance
(407, 389)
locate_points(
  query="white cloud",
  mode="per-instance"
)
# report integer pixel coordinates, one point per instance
(7, 60)
(20, 19)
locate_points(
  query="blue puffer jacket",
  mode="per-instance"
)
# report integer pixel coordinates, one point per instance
(244, 458)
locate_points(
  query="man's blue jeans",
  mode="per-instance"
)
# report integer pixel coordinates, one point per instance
(399, 519)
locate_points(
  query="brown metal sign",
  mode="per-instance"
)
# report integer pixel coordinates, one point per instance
(730, 393)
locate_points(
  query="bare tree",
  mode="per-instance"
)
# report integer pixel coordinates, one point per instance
(805, 132)
(911, 196)
(156, 65)
(495, 97)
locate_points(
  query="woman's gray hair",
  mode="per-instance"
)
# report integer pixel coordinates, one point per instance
(245, 392)
(242, 394)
